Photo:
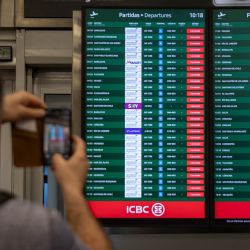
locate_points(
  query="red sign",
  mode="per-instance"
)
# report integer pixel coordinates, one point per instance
(148, 209)
(232, 210)
(195, 43)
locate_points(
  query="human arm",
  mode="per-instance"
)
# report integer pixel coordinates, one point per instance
(22, 105)
(71, 176)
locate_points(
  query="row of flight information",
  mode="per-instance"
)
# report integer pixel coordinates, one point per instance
(166, 102)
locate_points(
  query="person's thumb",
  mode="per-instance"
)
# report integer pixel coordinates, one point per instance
(58, 167)
(57, 162)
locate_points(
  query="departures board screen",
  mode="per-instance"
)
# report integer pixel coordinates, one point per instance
(144, 115)
(231, 48)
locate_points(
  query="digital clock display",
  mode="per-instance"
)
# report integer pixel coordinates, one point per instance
(196, 15)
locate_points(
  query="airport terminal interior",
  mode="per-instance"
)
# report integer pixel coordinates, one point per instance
(160, 92)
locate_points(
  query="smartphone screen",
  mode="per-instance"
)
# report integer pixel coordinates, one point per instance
(57, 133)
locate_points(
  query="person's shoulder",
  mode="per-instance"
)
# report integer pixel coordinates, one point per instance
(24, 210)
(17, 213)
(23, 224)
(36, 226)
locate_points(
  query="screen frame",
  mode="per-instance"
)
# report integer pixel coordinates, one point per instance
(121, 226)
(23, 22)
(158, 225)
(220, 224)
(49, 9)
(7, 59)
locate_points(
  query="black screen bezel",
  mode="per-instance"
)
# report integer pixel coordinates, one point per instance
(63, 9)
(49, 9)
(7, 59)
(221, 224)
(210, 224)
(175, 225)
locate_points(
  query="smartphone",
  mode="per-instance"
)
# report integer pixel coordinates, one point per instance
(57, 133)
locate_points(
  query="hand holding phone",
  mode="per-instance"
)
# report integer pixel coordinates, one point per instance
(36, 141)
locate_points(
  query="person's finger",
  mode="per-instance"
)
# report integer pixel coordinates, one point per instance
(79, 146)
(57, 161)
(32, 113)
(31, 100)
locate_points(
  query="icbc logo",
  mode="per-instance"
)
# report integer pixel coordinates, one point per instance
(137, 209)
(157, 209)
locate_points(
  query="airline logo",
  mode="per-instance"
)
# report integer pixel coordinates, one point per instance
(135, 62)
(157, 209)
(221, 14)
(93, 14)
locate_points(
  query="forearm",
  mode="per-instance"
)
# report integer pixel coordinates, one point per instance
(83, 223)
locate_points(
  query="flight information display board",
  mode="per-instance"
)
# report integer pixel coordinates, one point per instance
(231, 115)
(144, 112)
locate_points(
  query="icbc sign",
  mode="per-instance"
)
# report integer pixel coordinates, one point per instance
(148, 209)
(156, 209)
